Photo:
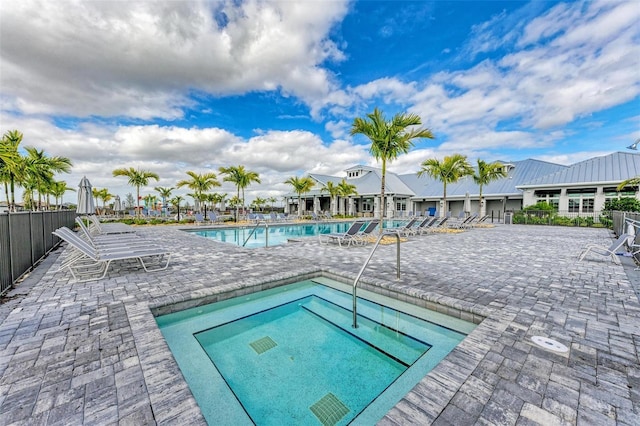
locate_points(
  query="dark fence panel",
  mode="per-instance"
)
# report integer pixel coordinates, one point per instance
(25, 238)
(5, 259)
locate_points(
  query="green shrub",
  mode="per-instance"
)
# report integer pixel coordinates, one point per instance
(624, 204)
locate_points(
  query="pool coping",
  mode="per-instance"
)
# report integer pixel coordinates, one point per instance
(172, 400)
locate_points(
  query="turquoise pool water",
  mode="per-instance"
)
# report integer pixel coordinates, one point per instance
(276, 234)
(289, 355)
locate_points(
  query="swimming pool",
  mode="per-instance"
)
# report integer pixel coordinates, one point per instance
(289, 355)
(276, 234)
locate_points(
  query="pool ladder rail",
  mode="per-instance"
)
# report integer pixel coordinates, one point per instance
(253, 231)
(355, 283)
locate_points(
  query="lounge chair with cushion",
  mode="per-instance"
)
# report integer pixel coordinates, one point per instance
(348, 237)
(88, 263)
(610, 251)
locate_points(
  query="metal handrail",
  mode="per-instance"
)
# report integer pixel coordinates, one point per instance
(266, 234)
(355, 283)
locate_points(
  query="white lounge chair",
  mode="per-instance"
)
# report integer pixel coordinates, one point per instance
(610, 251)
(348, 237)
(108, 228)
(86, 261)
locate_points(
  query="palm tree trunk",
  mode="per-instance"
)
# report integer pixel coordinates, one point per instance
(13, 194)
(382, 200)
(6, 194)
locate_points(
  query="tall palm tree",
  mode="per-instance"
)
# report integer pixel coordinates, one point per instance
(137, 178)
(346, 189)
(389, 139)
(486, 173)
(333, 191)
(300, 186)
(165, 193)
(11, 165)
(199, 184)
(42, 168)
(450, 170)
(241, 177)
(10, 160)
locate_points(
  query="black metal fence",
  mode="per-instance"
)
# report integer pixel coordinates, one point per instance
(560, 218)
(25, 238)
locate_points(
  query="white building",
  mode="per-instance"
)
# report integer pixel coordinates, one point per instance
(581, 188)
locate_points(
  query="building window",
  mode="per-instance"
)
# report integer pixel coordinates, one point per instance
(581, 200)
(574, 205)
(551, 197)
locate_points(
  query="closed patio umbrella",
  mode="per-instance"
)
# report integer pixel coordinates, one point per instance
(85, 198)
(117, 205)
(467, 203)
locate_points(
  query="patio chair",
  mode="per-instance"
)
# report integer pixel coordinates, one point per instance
(362, 235)
(108, 228)
(403, 230)
(110, 241)
(423, 226)
(86, 261)
(440, 222)
(610, 251)
(348, 237)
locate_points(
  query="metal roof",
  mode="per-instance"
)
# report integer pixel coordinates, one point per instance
(530, 173)
(612, 168)
(520, 172)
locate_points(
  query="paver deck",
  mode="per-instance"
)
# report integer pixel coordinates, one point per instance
(90, 353)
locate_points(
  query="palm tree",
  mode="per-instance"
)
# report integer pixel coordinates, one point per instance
(137, 178)
(334, 191)
(634, 181)
(216, 199)
(450, 170)
(57, 190)
(165, 193)
(41, 169)
(346, 189)
(486, 173)
(199, 183)
(241, 177)
(11, 164)
(272, 201)
(389, 139)
(175, 201)
(300, 186)
(103, 194)
(259, 202)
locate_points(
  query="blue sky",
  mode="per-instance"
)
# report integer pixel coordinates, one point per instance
(275, 85)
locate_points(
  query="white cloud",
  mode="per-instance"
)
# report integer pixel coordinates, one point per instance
(87, 58)
(171, 151)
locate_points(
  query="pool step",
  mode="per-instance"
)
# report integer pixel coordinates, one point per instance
(398, 346)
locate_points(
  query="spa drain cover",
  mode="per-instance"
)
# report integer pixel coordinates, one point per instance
(263, 345)
(552, 345)
(329, 410)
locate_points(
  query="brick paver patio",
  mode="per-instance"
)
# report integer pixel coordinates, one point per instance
(90, 353)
